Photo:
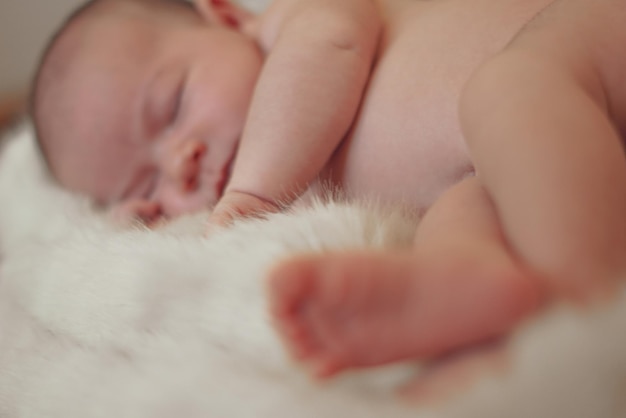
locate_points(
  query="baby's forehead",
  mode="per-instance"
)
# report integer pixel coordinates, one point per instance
(90, 75)
(125, 25)
(157, 11)
(110, 44)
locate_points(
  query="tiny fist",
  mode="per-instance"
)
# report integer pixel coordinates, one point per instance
(235, 205)
(222, 216)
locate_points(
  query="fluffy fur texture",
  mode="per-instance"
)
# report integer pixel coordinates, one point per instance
(96, 320)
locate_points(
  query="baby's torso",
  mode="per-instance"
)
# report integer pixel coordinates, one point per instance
(406, 144)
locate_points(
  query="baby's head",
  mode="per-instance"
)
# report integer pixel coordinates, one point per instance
(142, 102)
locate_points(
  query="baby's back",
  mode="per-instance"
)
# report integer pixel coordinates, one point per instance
(406, 143)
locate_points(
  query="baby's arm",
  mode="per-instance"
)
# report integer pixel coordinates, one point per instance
(540, 121)
(305, 101)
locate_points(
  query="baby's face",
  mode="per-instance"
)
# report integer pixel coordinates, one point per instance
(157, 110)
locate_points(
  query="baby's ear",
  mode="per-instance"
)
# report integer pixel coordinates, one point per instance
(223, 12)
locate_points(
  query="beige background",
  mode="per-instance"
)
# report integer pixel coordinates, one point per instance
(25, 25)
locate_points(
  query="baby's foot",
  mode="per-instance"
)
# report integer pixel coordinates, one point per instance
(344, 311)
(337, 313)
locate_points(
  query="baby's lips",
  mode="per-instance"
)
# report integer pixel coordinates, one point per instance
(191, 184)
(147, 212)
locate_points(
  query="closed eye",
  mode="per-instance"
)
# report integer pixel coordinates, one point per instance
(163, 101)
(176, 103)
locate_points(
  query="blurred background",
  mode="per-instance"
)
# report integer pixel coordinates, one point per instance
(25, 26)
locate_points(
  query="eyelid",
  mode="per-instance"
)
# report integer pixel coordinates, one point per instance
(163, 101)
(177, 99)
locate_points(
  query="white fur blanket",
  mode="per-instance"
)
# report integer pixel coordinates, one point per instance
(97, 321)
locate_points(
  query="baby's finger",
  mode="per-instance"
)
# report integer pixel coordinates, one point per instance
(221, 216)
(234, 205)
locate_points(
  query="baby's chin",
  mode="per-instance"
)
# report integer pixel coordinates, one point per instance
(169, 206)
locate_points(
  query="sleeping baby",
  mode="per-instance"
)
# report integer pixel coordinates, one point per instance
(160, 108)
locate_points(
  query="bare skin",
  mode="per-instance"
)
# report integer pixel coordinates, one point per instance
(406, 131)
(495, 246)
(335, 314)
(366, 309)
(541, 218)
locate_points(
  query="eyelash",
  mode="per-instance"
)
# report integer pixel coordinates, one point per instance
(177, 103)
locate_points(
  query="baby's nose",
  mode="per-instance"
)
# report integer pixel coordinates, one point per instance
(185, 164)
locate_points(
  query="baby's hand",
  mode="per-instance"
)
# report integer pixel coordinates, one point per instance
(234, 205)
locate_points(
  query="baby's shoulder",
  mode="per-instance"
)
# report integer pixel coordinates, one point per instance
(315, 15)
(604, 35)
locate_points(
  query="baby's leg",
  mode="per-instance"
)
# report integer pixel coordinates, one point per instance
(552, 194)
(536, 121)
(459, 285)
